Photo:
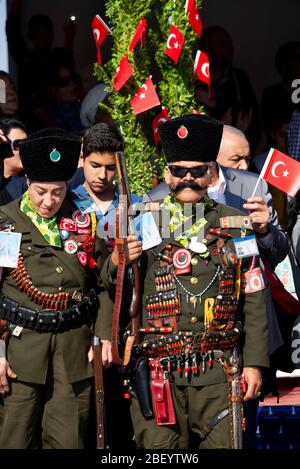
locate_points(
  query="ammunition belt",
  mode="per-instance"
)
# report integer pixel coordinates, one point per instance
(47, 320)
(187, 343)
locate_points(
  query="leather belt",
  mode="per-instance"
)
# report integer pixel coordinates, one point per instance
(48, 320)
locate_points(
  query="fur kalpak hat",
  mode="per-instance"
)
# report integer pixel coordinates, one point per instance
(50, 155)
(193, 137)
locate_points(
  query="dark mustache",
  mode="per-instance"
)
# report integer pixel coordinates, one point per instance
(189, 185)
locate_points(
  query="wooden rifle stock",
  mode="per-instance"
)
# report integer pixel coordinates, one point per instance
(134, 310)
(99, 393)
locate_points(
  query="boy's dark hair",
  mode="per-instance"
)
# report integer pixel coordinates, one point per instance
(101, 138)
(7, 124)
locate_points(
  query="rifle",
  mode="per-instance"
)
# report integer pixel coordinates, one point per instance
(99, 393)
(236, 410)
(121, 220)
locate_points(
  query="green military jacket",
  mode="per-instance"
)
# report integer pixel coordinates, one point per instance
(52, 270)
(252, 306)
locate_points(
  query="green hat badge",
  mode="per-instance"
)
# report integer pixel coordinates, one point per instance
(55, 156)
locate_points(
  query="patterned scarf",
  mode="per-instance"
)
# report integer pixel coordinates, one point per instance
(46, 226)
(178, 218)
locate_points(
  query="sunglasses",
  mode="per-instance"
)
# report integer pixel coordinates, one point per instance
(15, 144)
(181, 171)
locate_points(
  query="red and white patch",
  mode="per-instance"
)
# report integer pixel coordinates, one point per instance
(182, 259)
(83, 258)
(67, 224)
(71, 246)
(82, 220)
(84, 231)
(74, 215)
(252, 281)
(182, 132)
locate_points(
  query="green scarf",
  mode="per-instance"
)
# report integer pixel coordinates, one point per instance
(46, 226)
(175, 208)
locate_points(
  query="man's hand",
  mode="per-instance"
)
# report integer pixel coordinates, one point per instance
(106, 354)
(5, 371)
(252, 377)
(2, 137)
(259, 214)
(133, 250)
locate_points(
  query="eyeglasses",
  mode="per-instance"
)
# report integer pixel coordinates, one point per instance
(15, 144)
(181, 171)
(62, 82)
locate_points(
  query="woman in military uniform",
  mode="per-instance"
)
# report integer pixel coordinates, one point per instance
(48, 304)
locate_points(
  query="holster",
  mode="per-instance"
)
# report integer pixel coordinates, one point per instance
(142, 386)
(161, 395)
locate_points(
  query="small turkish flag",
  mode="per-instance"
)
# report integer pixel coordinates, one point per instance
(139, 35)
(123, 73)
(282, 172)
(100, 31)
(159, 119)
(146, 98)
(201, 67)
(194, 17)
(174, 43)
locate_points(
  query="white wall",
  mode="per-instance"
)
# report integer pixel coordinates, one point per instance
(3, 43)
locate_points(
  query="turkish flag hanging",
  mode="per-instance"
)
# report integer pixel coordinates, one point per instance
(159, 119)
(194, 17)
(201, 68)
(139, 35)
(100, 31)
(123, 73)
(282, 172)
(174, 43)
(146, 98)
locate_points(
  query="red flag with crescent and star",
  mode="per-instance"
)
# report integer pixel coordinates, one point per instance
(194, 17)
(100, 31)
(201, 68)
(282, 172)
(175, 43)
(159, 119)
(123, 73)
(139, 35)
(146, 98)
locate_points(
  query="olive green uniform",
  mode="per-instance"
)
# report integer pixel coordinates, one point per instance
(53, 372)
(199, 398)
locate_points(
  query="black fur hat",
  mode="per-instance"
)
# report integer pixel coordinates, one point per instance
(50, 155)
(193, 137)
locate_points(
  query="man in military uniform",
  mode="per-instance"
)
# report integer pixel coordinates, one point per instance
(48, 302)
(203, 303)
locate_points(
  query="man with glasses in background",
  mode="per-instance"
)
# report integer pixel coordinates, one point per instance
(12, 131)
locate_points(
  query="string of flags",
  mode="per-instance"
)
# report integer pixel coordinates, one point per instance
(146, 97)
